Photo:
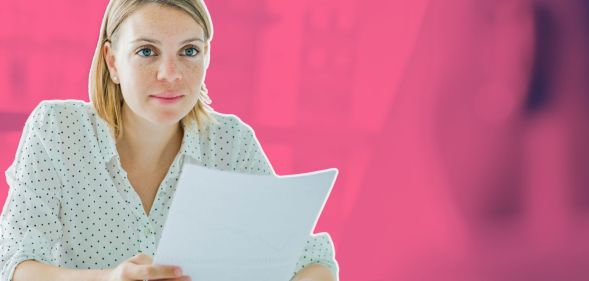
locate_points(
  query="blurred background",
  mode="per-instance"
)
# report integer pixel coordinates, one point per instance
(459, 127)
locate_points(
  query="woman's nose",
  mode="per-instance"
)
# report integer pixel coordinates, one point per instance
(168, 70)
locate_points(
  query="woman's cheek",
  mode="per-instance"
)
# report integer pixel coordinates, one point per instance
(194, 72)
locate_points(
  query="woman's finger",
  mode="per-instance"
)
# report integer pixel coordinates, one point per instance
(152, 272)
(183, 278)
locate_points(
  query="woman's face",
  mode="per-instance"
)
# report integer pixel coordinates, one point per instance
(158, 58)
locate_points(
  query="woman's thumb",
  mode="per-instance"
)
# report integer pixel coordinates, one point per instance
(141, 258)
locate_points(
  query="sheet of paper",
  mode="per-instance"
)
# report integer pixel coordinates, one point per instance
(226, 226)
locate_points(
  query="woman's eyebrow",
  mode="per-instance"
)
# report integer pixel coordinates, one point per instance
(154, 41)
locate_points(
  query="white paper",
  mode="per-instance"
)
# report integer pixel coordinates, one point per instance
(226, 226)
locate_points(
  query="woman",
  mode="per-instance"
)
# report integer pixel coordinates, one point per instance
(92, 182)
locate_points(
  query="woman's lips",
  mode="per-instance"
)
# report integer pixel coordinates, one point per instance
(167, 99)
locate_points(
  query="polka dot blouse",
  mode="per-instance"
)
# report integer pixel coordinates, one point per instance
(70, 202)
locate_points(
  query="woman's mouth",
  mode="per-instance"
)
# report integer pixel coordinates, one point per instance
(167, 99)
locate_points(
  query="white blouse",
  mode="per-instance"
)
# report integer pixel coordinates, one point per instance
(70, 202)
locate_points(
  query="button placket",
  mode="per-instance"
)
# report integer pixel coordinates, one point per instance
(149, 239)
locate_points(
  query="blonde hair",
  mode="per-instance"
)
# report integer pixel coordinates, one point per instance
(106, 96)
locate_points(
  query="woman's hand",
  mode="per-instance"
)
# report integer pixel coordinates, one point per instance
(141, 267)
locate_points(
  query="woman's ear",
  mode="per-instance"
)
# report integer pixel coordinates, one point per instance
(109, 57)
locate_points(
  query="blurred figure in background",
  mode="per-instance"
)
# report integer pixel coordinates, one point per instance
(491, 120)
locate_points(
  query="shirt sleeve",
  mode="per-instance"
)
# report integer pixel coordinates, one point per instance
(319, 247)
(29, 224)
(254, 159)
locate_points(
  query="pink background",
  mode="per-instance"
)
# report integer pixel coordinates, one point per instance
(459, 127)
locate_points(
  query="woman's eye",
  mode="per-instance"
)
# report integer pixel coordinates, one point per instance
(148, 52)
(191, 52)
(145, 52)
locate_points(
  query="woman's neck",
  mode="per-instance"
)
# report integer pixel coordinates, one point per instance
(146, 146)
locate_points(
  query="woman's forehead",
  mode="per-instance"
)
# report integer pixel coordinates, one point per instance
(162, 24)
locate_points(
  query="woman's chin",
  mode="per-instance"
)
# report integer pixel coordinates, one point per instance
(167, 116)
